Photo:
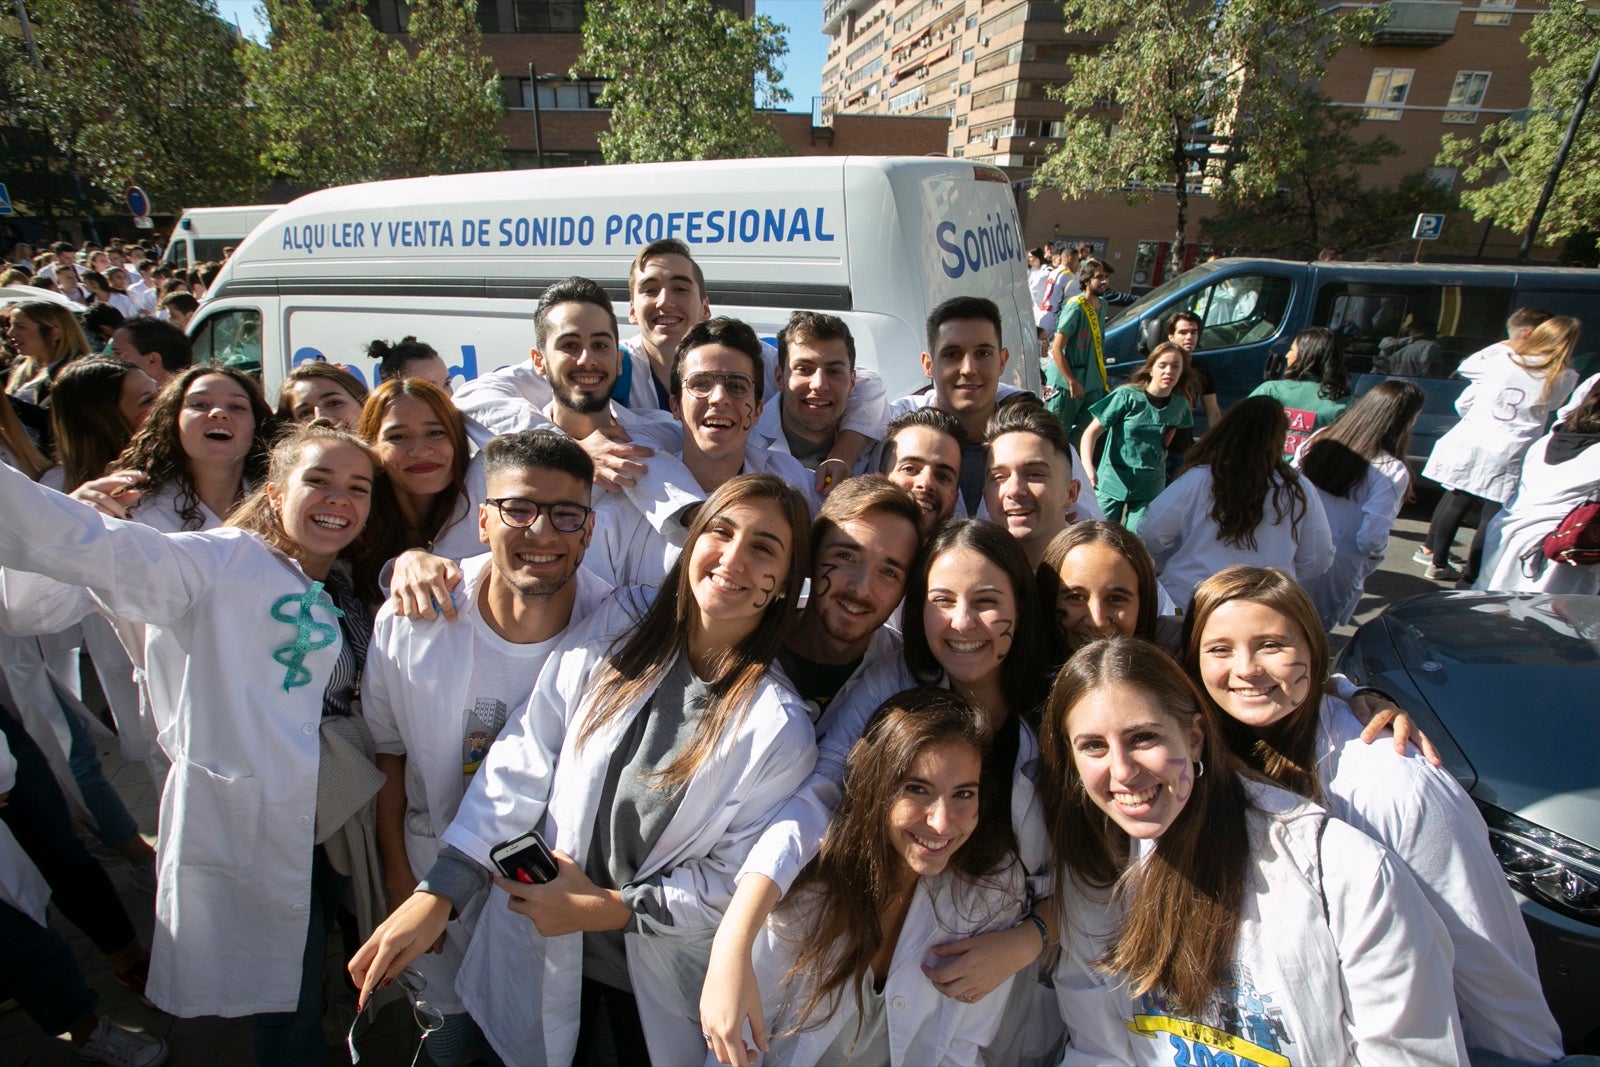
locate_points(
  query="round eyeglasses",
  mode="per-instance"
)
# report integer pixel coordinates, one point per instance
(520, 514)
(701, 383)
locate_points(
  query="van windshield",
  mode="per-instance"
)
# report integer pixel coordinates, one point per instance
(1161, 292)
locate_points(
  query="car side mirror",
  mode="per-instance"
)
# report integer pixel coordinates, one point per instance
(1149, 335)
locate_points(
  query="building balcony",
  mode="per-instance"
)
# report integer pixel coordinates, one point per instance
(834, 11)
(1418, 22)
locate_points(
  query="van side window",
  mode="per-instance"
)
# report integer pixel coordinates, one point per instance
(1242, 310)
(1413, 331)
(231, 337)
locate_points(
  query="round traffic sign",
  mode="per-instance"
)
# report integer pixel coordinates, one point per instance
(138, 202)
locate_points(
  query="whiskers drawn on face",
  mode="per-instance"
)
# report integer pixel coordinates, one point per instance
(770, 584)
(1185, 778)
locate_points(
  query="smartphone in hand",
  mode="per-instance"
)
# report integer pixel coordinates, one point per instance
(526, 859)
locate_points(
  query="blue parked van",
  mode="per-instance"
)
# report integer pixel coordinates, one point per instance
(1416, 321)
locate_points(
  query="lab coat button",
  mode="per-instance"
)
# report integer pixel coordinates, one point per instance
(304, 820)
(309, 728)
(899, 1003)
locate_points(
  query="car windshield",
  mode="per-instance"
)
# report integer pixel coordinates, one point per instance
(1161, 292)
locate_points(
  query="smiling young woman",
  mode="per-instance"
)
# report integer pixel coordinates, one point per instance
(970, 626)
(908, 863)
(1256, 645)
(654, 750)
(255, 638)
(1204, 911)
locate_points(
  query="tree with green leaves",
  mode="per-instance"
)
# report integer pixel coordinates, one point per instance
(683, 79)
(1200, 93)
(1563, 40)
(1321, 201)
(340, 102)
(150, 94)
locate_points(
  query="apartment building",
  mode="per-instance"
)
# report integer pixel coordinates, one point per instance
(1436, 66)
(534, 43)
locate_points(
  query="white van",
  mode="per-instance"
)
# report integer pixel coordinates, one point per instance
(459, 261)
(203, 232)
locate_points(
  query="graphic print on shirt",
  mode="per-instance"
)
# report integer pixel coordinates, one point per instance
(484, 720)
(1301, 426)
(1240, 1028)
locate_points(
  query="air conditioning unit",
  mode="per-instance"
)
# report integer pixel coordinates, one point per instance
(983, 41)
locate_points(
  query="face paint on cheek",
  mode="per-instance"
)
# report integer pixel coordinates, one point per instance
(766, 592)
(1004, 627)
(1185, 784)
(823, 581)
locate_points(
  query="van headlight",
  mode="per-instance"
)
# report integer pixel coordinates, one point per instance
(1554, 870)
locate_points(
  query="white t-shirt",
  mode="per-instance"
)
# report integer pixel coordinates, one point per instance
(503, 673)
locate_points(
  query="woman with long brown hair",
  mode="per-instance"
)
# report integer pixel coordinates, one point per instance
(653, 753)
(908, 863)
(1256, 645)
(422, 500)
(970, 625)
(100, 403)
(1236, 500)
(255, 644)
(1207, 912)
(1357, 468)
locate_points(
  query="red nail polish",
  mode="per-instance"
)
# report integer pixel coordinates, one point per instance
(385, 983)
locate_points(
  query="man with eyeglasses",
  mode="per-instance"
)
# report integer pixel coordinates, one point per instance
(715, 391)
(437, 692)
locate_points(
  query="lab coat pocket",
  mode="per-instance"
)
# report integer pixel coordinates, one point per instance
(220, 818)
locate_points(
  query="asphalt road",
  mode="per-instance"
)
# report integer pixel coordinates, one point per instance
(1399, 578)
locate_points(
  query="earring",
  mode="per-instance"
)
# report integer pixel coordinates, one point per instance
(1199, 768)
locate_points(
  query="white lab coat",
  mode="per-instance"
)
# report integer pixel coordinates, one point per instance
(1544, 495)
(523, 988)
(925, 1026)
(1423, 816)
(417, 677)
(1187, 547)
(237, 814)
(1339, 961)
(1360, 524)
(1502, 413)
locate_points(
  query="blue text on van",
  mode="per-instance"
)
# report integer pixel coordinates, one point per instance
(994, 241)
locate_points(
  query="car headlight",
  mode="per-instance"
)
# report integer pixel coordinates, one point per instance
(1539, 863)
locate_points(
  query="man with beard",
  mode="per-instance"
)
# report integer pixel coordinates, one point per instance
(922, 455)
(863, 546)
(436, 693)
(1075, 373)
(567, 384)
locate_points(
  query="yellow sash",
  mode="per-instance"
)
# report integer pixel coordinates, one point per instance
(1096, 335)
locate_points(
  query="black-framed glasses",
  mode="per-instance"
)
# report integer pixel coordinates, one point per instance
(519, 513)
(737, 386)
(430, 1020)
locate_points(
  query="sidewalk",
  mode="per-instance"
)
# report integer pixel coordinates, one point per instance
(390, 1039)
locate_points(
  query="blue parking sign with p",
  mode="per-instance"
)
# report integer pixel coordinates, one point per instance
(1428, 227)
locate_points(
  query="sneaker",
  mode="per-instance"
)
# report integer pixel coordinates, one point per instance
(112, 1044)
(1424, 557)
(1445, 573)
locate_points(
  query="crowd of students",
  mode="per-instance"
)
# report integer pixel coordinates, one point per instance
(682, 699)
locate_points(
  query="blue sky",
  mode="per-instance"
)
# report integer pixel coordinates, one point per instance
(802, 67)
(807, 46)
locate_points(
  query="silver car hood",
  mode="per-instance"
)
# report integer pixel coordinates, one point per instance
(1516, 680)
